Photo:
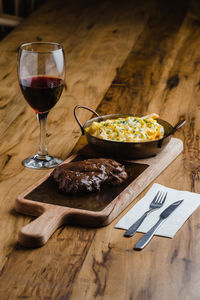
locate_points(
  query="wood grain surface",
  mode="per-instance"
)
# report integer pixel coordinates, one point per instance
(122, 56)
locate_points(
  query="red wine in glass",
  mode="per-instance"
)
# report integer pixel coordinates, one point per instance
(41, 73)
(42, 92)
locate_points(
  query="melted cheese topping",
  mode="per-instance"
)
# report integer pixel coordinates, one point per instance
(129, 129)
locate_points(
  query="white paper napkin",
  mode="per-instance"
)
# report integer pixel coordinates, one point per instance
(173, 223)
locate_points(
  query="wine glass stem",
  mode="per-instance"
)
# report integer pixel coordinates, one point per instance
(42, 119)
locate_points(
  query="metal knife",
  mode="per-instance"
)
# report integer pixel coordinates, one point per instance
(163, 216)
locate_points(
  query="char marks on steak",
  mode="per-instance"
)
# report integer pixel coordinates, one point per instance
(88, 175)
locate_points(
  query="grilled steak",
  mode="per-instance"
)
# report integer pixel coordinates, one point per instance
(88, 175)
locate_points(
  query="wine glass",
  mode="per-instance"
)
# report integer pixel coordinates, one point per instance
(41, 73)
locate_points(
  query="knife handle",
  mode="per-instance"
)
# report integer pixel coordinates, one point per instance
(133, 228)
(148, 236)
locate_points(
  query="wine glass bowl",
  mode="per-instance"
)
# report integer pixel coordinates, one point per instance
(41, 73)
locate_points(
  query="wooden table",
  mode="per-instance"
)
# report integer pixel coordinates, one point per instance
(122, 56)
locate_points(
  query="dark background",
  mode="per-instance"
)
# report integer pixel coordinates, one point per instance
(21, 8)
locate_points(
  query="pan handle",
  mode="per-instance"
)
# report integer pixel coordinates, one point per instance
(77, 120)
(36, 233)
(175, 128)
(179, 125)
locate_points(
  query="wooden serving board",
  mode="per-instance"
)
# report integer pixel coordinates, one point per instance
(54, 209)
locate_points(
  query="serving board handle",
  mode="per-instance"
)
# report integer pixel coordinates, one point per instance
(36, 233)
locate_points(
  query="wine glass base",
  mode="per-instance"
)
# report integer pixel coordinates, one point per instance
(42, 162)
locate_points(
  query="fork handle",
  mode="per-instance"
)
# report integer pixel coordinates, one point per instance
(148, 236)
(131, 230)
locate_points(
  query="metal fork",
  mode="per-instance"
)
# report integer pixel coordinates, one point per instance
(156, 203)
